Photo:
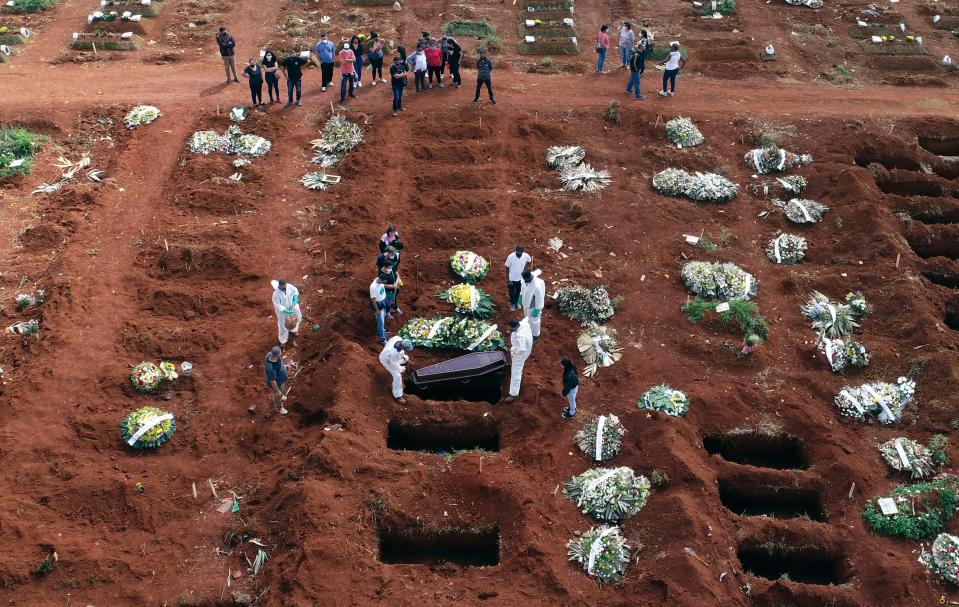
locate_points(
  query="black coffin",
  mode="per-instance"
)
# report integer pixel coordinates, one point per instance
(476, 377)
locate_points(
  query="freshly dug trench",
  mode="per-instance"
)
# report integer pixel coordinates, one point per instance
(940, 146)
(779, 502)
(780, 451)
(805, 564)
(944, 210)
(433, 437)
(466, 546)
(934, 240)
(910, 185)
(889, 158)
(951, 317)
(941, 271)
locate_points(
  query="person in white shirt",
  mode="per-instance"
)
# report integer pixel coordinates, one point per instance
(516, 264)
(673, 63)
(626, 39)
(286, 302)
(521, 344)
(393, 358)
(534, 298)
(417, 62)
(380, 306)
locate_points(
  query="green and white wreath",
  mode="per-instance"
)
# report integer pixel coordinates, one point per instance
(601, 437)
(664, 399)
(719, 280)
(602, 552)
(683, 132)
(905, 455)
(608, 495)
(147, 427)
(786, 249)
(882, 400)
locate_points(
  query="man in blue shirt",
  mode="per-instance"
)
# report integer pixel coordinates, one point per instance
(324, 53)
(276, 376)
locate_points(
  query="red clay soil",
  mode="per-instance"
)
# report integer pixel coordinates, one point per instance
(169, 259)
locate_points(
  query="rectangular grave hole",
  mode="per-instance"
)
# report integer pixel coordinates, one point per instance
(442, 437)
(466, 546)
(804, 564)
(761, 449)
(781, 502)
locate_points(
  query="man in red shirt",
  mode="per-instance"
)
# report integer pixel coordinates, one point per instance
(434, 63)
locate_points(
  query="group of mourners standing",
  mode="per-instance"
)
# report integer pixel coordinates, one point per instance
(427, 64)
(633, 52)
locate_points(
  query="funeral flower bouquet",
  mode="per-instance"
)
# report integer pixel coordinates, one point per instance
(672, 182)
(151, 426)
(585, 305)
(338, 138)
(584, 178)
(943, 558)
(609, 495)
(794, 184)
(857, 303)
(205, 142)
(147, 376)
(801, 210)
(602, 552)
(562, 156)
(317, 180)
(664, 399)
(786, 249)
(711, 187)
(701, 187)
(881, 400)
(773, 159)
(449, 332)
(719, 280)
(27, 300)
(683, 132)
(834, 320)
(599, 347)
(601, 437)
(843, 352)
(233, 141)
(468, 300)
(141, 114)
(469, 266)
(905, 455)
(923, 509)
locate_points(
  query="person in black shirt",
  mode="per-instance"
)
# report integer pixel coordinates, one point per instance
(454, 52)
(272, 81)
(357, 47)
(570, 387)
(398, 80)
(484, 75)
(255, 73)
(293, 68)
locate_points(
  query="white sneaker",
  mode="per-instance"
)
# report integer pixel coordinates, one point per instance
(323, 89)
(672, 94)
(359, 85)
(662, 93)
(373, 83)
(283, 411)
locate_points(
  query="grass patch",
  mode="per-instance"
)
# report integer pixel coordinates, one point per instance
(547, 45)
(18, 143)
(939, 449)
(491, 43)
(560, 30)
(370, 2)
(105, 42)
(661, 51)
(923, 514)
(540, 6)
(892, 48)
(742, 314)
(472, 29)
(134, 7)
(28, 6)
(723, 7)
(12, 39)
(611, 113)
(546, 62)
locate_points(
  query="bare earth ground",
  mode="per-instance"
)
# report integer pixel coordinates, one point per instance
(170, 260)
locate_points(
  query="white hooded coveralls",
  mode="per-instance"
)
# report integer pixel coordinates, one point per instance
(393, 360)
(521, 344)
(534, 298)
(283, 300)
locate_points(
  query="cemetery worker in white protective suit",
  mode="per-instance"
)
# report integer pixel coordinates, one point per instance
(286, 302)
(521, 344)
(394, 358)
(534, 298)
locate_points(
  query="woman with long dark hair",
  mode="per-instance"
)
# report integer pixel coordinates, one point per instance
(272, 80)
(570, 387)
(357, 47)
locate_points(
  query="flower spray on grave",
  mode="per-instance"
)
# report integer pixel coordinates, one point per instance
(608, 495)
(469, 300)
(601, 438)
(602, 552)
(147, 427)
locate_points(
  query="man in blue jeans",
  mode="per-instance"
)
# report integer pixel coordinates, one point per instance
(292, 67)
(276, 376)
(380, 306)
(399, 81)
(324, 53)
(637, 65)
